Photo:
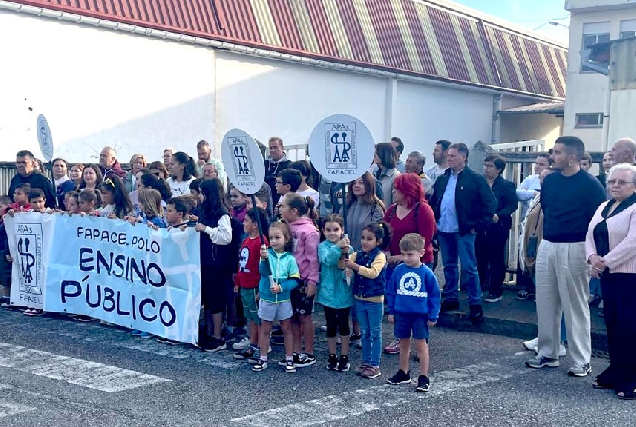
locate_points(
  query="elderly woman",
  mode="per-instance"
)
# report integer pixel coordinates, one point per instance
(610, 248)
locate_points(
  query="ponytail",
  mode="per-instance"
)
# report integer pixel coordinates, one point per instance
(304, 205)
(189, 165)
(381, 232)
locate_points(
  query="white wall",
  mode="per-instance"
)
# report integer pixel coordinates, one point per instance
(98, 88)
(622, 123)
(528, 127)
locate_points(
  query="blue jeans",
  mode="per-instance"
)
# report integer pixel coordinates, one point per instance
(595, 286)
(460, 248)
(370, 318)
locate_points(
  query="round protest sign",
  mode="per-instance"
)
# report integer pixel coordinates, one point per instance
(44, 138)
(341, 148)
(243, 161)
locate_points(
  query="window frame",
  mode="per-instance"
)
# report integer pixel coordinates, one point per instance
(578, 116)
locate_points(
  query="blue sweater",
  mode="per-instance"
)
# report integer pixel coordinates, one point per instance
(284, 269)
(333, 290)
(413, 290)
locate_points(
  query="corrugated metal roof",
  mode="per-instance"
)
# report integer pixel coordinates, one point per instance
(543, 107)
(427, 38)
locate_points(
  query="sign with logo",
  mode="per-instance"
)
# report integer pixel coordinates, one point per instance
(341, 148)
(44, 138)
(243, 161)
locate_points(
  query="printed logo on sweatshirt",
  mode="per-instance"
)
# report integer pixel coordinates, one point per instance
(244, 257)
(411, 285)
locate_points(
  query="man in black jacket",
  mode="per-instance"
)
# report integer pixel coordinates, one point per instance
(276, 162)
(464, 205)
(28, 174)
(490, 245)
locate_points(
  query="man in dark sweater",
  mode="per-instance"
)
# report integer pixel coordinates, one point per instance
(276, 162)
(569, 199)
(28, 174)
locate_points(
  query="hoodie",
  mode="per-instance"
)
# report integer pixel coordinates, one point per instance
(114, 170)
(284, 271)
(306, 239)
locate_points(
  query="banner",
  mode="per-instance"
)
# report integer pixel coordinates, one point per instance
(132, 276)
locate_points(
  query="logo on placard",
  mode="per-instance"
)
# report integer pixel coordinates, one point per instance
(29, 245)
(341, 146)
(242, 160)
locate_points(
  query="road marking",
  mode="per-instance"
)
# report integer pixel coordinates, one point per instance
(332, 408)
(93, 375)
(10, 408)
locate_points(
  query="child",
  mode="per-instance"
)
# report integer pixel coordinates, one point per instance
(5, 256)
(334, 294)
(279, 274)
(88, 202)
(20, 199)
(287, 181)
(305, 190)
(299, 212)
(178, 212)
(238, 202)
(71, 201)
(413, 297)
(151, 210)
(215, 227)
(368, 268)
(263, 199)
(37, 200)
(194, 187)
(248, 276)
(115, 200)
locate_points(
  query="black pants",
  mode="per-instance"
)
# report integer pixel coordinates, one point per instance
(490, 251)
(337, 321)
(619, 296)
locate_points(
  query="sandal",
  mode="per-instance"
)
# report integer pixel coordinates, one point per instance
(626, 395)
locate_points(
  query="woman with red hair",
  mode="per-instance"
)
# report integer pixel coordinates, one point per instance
(410, 213)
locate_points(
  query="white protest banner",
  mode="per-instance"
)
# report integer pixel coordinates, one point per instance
(247, 170)
(341, 148)
(44, 138)
(28, 235)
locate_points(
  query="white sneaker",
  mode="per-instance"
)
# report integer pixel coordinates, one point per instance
(562, 350)
(242, 345)
(532, 345)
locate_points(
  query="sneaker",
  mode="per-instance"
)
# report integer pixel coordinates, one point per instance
(135, 332)
(371, 372)
(562, 350)
(400, 377)
(578, 370)
(343, 364)
(260, 366)
(332, 363)
(214, 345)
(423, 384)
(360, 369)
(145, 335)
(242, 344)
(82, 318)
(28, 312)
(355, 337)
(493, 298)
(594, 300)
(304, 360)
(393, 347)
(532, 345)
(476, 313)
(289, 367)
(538, 362)
(323, 328)
(449, 306)
(5, 302)
(248, 353)
(295, 359)
(524, 295)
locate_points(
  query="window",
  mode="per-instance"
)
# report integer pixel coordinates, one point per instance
(593, 33)
(592, 120)
(628, 28)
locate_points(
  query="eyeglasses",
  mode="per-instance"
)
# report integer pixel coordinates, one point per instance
(278, 182)
(618, 182)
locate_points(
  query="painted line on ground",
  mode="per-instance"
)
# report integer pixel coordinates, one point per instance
(332, 408)
(84, 373)
(8, 409)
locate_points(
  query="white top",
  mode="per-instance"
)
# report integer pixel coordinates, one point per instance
(179, 188)
(433, 173)
(222, 233)
(527, 191)
(107, 210)
(310, 192)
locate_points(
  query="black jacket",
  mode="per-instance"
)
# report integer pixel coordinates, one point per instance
(507, 202)
(271, 171)
(36, 180)
(475, 202)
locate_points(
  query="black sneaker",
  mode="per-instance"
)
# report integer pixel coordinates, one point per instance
(277, 340)
(332, 363)
(524, 295)
(248, 353)
(259, 366)
(449, 306)
(400, 377)
(343, 364)
(493, 298)
(476, 313)
(289, 367)
(213, 345)
(304, 360)
(295, 359)
(355, 337)
(423, 384)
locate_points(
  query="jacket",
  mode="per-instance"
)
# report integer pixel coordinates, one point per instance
(474, 201)
(531, 226)
(36, 180)
(385, 178)
(271, 171)
(114, 170)
(414, 290)
(359, 215)
(284, 272)
(370, 280)
(306, 239)
(333, 290)
(507, 202)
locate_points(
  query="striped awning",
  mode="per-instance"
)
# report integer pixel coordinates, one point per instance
(429, 38)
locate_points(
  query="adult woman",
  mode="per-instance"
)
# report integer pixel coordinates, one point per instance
(76, 174)
(158, 169)
(91, 178)
(363, 208)
(137, 164)
(183, 170)
(384, 158)
(63, 183)
(409, 214)
(610, 247)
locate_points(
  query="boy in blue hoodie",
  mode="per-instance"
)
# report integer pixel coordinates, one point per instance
(413, 297)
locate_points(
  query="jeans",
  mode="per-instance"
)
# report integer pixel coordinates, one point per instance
(459, 248)
(595, 287)
(370, 318)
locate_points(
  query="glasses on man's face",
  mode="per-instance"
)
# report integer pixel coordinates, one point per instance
(279, 182)
(618, 182)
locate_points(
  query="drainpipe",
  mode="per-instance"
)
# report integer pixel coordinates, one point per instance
(496, 119)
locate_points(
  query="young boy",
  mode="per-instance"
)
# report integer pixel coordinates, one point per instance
(413, 298)
(87, 203)
(5, 257)
(263, 200)
(248, 277)
(287, 181)
(178, 211)
(20, 199)
(37, 200)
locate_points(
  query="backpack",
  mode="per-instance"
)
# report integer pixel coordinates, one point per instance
(237, 239)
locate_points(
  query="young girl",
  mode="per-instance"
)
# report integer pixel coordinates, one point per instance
(184, 170)
(71, 201)
(115, 200)
(279, 274)
(216, 269)
(299, 212)
(238, 202)
(368, 268)
(150, 205)
(89, 201)
(334, 294)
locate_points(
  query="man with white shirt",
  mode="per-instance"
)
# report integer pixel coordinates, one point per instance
(439, 158)
(531, 186)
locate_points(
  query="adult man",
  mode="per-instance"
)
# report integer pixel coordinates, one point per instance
(464, 205)
(624, 151)
(28, 174)
(490, 244)
(399, 148)
(439, 157)
(569, 199)
(275, 162)
(204, 154)
(531, 185)
(607, 164)
(415, 164)
(167, 157)
(108, 164)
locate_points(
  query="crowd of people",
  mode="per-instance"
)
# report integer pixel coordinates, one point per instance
(370, 247)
